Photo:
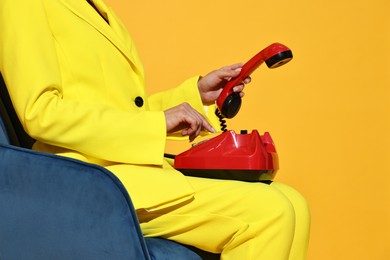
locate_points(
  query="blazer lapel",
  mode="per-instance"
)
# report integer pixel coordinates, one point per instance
(87, 13)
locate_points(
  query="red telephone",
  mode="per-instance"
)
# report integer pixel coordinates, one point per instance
(245, 157)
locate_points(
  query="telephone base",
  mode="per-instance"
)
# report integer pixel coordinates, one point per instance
(244, 156)
(241, 175)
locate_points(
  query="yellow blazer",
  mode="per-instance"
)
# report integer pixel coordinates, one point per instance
(77, 85)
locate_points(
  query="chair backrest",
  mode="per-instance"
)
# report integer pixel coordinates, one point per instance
(12, 131)
(4, 139)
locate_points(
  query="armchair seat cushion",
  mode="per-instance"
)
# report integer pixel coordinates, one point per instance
(59, 208)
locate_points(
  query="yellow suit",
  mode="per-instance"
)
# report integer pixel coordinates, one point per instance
(96, 93)
(77, 85)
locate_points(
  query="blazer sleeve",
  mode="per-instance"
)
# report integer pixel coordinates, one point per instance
(185, 92)
(29, 64)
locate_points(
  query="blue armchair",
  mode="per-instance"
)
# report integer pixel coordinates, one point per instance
(52, 207)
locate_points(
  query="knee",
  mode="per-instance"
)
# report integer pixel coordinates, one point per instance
(286, 210)
(279, 206)
(280, 219)
(299, 202)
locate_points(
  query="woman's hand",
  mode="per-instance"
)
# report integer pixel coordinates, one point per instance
(210, 86)
(185, 118)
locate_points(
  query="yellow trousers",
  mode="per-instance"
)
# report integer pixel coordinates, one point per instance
(239, 220)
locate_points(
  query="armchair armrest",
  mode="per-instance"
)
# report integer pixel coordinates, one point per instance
(59, 208)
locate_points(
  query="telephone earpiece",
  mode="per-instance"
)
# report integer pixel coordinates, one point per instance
(275, 55)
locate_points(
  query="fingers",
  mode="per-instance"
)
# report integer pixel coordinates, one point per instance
(247, 80)
(239, 88)
(232, 71)
(210, 86)
(229, 72)
(196, 123)
(233, 66)
(183, 117)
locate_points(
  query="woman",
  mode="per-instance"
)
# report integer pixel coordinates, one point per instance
(77, 85)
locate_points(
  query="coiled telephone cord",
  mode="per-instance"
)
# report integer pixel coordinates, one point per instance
(221, 120)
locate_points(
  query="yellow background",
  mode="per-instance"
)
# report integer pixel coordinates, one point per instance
(327, 110)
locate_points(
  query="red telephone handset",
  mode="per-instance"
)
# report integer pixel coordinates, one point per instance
(274, 55)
